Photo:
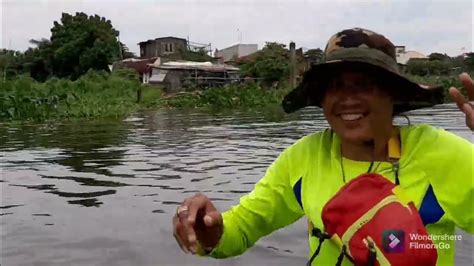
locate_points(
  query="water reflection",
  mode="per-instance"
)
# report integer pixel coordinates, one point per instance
(102, 193)
(90, 202)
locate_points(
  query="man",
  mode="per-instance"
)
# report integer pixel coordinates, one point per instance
(360, 90)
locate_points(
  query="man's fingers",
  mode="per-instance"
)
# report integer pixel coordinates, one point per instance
(190, 221)
(213, 218)
(189, 218)
(194, 207)
(457, 97)
(183, 213)
(180, 236)
(467, 82)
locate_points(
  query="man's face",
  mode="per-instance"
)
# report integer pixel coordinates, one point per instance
(356, 107)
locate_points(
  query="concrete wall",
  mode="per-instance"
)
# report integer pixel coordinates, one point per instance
(178, 46)
(399, 49)
(246, 49)
(227, 53)
(237, 50)
(173, 81)
(156, 48)
(147, 50)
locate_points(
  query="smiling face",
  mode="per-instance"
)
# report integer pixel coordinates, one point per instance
(356, 108)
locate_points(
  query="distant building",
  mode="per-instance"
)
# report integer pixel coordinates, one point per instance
(399, 49)
(466, 55)
(162, 47)
(177, 76)
(404, 56)
(235, 52)
(141, 66)
(171, 48)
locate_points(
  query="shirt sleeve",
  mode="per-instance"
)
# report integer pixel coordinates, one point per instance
(453, 179)
(270, 206)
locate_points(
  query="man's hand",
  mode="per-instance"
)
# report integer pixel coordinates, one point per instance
(461, 101)
(197, 223)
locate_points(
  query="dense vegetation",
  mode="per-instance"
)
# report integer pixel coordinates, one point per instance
(96, 94)
(67, 76)
(78, 43)
(246, 95)
(440, 65)
(100, 95)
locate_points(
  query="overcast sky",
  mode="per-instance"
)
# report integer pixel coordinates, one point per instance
(425, 26)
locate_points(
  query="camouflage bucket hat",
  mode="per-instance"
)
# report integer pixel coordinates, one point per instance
(363, 50)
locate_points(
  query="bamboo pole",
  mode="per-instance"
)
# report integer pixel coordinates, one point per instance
(292, 64)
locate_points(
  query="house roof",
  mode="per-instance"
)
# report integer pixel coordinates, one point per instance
(171, 37)
(239, 45)
(249, 57)
(141, 66)
(162, 38)
(403, 58)
(190, 65)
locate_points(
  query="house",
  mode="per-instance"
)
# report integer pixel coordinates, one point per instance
(180, 75)
(404, 56)
(399, 49)
(163, 47)
(235, 52)
(172, 48)
(177, 76)
(141, 66)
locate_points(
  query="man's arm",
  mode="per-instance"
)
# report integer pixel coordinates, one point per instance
(270, 206)
(453, 178)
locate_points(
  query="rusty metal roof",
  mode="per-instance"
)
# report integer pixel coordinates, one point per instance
(190, 65)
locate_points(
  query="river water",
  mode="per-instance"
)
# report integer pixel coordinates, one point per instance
(104, 192)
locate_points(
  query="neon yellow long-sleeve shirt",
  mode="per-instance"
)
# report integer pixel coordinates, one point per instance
(436, 171)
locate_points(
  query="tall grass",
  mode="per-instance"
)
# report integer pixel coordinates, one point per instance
(96, 94)
(103, 95)
(247, 95)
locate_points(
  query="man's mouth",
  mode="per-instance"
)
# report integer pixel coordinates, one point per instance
(352, 117)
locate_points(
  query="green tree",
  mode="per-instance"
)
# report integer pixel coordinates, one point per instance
(437, 64)
(38, 59)
(10, 63)
(197, 56)
(417, 67)
(271, 63)
(314, 55)
(469, 61)
(126, 51)
(82, 42)
(438, 56)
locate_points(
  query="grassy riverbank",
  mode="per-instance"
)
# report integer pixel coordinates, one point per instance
(103, 95)
(249, 95)
(93, 95)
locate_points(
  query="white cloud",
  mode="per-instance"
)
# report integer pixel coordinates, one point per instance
(443, 26)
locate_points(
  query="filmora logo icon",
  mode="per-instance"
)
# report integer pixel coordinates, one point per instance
(393, 241)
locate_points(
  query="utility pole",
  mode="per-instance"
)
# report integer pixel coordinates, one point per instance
(239, 36)
(6, 63)
(5, 71)
(292, 64)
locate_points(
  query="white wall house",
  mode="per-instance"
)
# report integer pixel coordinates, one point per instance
(235, 51)
(403, 56)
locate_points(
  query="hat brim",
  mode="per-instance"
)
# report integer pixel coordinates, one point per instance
(311, 90)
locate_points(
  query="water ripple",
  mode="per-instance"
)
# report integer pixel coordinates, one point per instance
(132, 170)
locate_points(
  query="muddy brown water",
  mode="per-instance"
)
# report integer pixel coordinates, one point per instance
(104, 192)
